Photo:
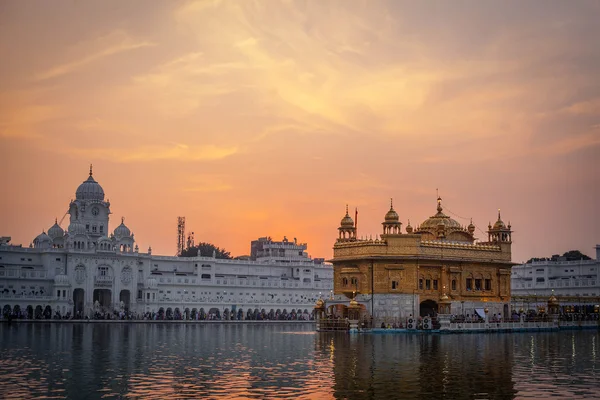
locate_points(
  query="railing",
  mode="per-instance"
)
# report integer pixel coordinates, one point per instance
(25, 297)
(103, 280)
(332, 325)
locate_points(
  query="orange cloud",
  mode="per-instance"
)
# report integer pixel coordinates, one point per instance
(180, 152)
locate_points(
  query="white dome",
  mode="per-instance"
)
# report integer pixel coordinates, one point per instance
(61, 280)
(90, 189)
(76, 228)
(122, 230)
(55, 231)
(42, 237)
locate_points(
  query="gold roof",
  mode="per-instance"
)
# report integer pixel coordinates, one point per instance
(392, 215)
(439, 219)
(347, 221)
(499, 224)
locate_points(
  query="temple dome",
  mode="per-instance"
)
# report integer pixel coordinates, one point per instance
(471, 228)
(499, 224)
(391, 215)
(90, 189)
(76, 228)
(122, 230)
(42, 237)
(439, 219)
(55, 230)
(347, 221)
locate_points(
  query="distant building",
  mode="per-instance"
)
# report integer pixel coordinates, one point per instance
(399, 274)
(265, 248)
(85, 269)
(574, 283)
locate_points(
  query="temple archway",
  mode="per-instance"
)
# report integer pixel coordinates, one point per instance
(125, 297)
(78, 300)
(103, 297)
(428, 308)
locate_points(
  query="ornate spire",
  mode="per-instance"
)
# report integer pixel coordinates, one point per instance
(391, 203)
(439, 204)
(499, 215)
(346, 209)
(122, 220)
(90, 169)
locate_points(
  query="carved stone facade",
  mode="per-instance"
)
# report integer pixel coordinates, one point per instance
(400, 274)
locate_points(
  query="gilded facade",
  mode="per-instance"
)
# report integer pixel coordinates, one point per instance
(403, 273)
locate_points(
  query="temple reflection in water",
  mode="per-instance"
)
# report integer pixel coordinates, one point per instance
(78, 360)
(420, 366)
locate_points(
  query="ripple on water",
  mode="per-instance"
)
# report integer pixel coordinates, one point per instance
(241, 361)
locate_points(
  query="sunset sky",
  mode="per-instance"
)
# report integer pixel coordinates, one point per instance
(265, 118)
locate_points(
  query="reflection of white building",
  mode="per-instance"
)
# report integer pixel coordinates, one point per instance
(85, 266)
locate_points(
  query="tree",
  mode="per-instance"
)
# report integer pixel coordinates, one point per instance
(571, 255)
(574, 255)
(204, 249)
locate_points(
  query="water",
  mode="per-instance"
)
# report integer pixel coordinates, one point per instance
(290, 361)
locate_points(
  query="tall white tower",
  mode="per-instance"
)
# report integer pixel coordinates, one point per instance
(89, 208)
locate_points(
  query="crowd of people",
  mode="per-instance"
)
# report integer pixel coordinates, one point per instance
(123, 314)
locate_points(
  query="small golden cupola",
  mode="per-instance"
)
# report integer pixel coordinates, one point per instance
(392, 224)
(347, 229)
(499, 232)
(471, 227)
(409, 228)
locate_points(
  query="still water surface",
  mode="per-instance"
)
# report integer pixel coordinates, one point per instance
(273, 361)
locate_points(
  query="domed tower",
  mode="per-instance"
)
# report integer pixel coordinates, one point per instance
(57, 234)
(123, 237)
(392, 224)
(347, 229)
(440, 225)
(409, 228)
(90, 209)
(42, 241)
(471, 228)
(499, 232)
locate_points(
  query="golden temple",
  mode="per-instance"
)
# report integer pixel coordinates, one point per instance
(437, 266)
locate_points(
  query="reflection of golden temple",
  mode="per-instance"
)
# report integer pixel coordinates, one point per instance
(437, 266)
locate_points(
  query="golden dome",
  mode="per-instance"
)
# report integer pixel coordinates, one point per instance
(409, 229)
(553, 300)
(392, 215)
(320, 304)
(471, 227)
(444, 297)
(354, 303)
(499, 224)
(347, 221)
(439, 219)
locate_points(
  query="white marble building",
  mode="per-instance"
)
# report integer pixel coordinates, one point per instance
(84, 269)
(571, 282)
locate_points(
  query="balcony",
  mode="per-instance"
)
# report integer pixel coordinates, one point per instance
(103, 280)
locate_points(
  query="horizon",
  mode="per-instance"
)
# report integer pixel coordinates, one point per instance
(254, 120)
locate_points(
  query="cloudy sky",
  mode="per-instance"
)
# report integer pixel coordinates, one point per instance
(264, 118)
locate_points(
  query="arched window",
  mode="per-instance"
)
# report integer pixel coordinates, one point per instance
(345, 281)
(453, 284)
